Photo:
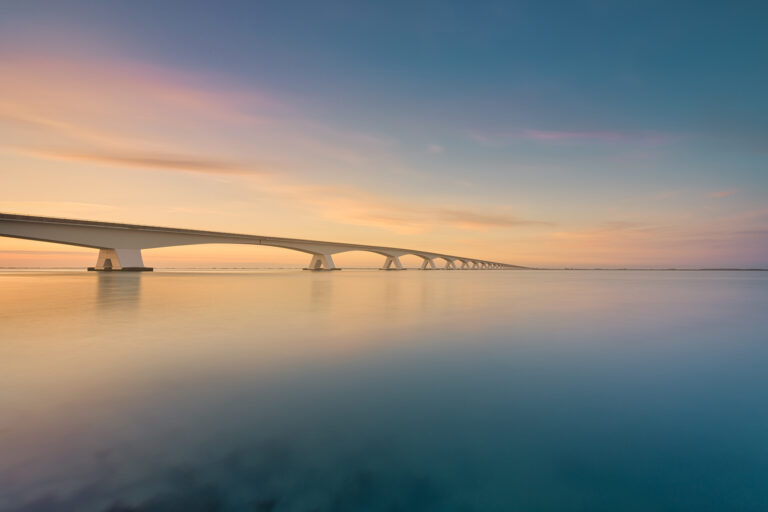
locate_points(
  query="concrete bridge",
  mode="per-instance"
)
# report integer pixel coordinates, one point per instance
(120, 245)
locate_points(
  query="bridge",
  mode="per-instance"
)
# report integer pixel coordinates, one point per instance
(120, 245)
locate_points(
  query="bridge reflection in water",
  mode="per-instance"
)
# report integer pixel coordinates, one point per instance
(120, 245)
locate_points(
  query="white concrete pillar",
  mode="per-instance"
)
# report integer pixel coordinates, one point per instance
(428, 264)
(464, 265)
(321, 262)
(450, 265)
(120, 259)
(390, 261)
(475, 265)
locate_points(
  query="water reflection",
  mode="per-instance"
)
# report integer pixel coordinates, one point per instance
(321, 291)
(118, 290)
(383, 391)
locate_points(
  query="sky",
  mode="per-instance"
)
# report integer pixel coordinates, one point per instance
(541, 133)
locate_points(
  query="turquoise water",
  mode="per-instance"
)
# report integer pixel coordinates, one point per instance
(384, 391)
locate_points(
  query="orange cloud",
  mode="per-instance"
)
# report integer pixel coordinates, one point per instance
(139, 160)
(357, 206)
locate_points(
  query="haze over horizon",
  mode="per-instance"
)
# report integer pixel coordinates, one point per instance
(539, 134)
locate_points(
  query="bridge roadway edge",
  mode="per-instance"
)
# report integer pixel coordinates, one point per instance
(108, 237)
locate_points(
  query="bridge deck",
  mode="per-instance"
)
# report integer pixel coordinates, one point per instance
(106, 235)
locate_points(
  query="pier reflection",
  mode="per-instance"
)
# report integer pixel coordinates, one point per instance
(118, 290)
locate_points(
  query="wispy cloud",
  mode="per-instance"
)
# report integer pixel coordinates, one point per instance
(565, 135)
(616, 230)
(133, 107)
(414, 219)
(467, 219)
(723, 193)
(504, 137)
(358, 206)
(344, 204)
(138, 160)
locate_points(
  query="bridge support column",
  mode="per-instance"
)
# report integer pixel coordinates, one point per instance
(428, 264)
(475, 265)
(321, 262)
(120, 259)
(450, 265)
(464, 265)
(392, 260)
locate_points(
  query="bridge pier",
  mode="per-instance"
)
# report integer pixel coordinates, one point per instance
(428, 263)
(464, 265)
(120, 259)
(390, 261)
(321, 262)
(450, 264)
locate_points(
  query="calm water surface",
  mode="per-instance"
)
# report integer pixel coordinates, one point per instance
(383, 391)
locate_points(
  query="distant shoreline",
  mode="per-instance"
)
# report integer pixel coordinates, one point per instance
(671, 269)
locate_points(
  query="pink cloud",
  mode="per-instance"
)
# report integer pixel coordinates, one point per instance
(133, 112)
(496, 138)
(723, 193)
(565, 135)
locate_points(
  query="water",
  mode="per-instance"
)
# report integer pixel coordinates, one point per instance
(383, 391)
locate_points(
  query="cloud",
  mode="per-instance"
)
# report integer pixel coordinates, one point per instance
(343, 204)
(138, 160)
(468, 219)
(413, 219)
(126, 88)
(615, 230)
(132, 107)
(723, 193)
(530, 134)
(358, 206)
(564, 135)
(725, 242)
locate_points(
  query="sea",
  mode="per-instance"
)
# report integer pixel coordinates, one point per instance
(364, 390)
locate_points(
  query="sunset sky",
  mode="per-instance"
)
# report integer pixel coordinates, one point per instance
(617, 134)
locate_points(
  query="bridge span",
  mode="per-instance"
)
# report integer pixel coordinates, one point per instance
(120, 245)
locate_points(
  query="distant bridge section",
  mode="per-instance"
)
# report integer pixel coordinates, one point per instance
(120, 245)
